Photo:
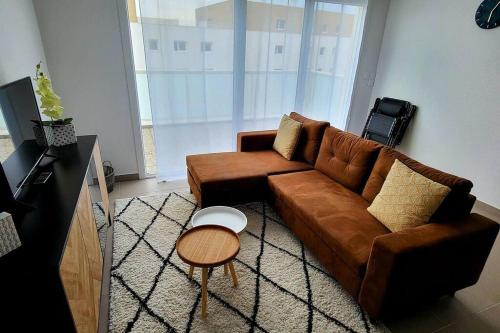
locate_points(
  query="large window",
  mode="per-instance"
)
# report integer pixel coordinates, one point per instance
(256, 60)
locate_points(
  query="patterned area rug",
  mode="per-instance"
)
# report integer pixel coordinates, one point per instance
(282, 288)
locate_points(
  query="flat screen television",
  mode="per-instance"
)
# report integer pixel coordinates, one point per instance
(23, 143)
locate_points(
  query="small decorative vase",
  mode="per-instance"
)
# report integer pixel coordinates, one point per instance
(60, 135)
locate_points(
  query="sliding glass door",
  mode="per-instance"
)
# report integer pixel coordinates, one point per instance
(207, 69)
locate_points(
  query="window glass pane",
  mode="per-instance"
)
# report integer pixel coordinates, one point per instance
(183, 53)
(189, 78)
(273, 40)
(330, 74)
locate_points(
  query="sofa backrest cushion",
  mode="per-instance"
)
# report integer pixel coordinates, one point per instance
(310, 138)
(346, 158)
(457, 201)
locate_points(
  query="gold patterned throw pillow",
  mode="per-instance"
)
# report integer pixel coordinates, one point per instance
(407, 199)
(288, 137)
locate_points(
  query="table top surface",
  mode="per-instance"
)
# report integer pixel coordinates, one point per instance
(208, 246)
(220, 215)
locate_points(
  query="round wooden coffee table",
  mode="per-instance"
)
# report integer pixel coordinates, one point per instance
(208, 246)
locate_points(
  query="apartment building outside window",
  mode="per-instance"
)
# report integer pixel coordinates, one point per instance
(278, 49)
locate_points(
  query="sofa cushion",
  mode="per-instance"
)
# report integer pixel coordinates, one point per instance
(337, 215)
(455, 203)
(310, 138)
(346, 158)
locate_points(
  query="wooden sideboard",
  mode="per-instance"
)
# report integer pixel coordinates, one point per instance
(53, 281)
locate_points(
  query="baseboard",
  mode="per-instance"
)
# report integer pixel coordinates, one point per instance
(487, 210)
(127, 177)
(123, 178)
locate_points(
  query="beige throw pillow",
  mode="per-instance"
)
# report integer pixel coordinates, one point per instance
(288, 137)
(407, 199)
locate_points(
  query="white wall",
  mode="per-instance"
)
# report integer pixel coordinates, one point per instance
(20, 43)
(367, 64)
(435, 56)
(83, 47)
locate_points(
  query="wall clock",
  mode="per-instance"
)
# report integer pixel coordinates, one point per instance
(488, 14)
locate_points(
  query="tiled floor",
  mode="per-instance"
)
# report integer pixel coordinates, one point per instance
(475, 309)
(146, 187)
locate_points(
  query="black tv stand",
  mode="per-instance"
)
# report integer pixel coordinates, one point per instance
(60, 249)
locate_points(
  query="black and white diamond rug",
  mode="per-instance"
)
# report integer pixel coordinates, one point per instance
(282, 288)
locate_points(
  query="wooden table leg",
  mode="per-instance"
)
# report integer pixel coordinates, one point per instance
(225, 269)
(204, 293)
(233, 274)
(190, 275)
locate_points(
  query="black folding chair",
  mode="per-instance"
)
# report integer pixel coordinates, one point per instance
(388, 120)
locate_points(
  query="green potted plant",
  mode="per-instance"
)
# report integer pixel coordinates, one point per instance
(59, 131)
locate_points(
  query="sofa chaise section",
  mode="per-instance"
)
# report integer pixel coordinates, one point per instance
(237, 177)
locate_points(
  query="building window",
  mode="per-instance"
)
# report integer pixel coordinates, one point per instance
(322, 50)
(280, 24)
(180, 45)
(153, 44)
(206, 46)
(278, 49)
(324, 28)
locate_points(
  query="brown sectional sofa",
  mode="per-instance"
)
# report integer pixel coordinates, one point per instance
(322, 196)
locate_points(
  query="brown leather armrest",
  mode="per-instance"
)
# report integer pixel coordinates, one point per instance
(256, 140)
(414, 265)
